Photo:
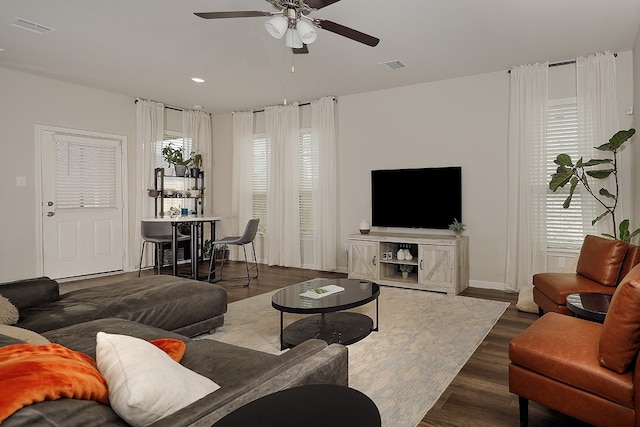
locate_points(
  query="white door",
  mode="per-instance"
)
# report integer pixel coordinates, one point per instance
(82, 208)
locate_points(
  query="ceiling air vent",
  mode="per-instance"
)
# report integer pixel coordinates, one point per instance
(31, 26)
(393, 65)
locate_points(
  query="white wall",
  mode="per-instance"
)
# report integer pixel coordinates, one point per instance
(459, 122)
(27, 100)
(453, 122)
(635, 221)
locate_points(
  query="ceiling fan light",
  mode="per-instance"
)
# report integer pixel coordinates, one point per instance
(277, 26)
(307, 33)
(292, 39)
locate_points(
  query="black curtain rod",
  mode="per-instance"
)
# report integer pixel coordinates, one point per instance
(299, 105)
(168, 107)
(572, 61)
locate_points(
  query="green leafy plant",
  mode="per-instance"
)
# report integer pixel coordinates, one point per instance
(598, 169)
(406, 267)
(174, 156)
(195, 160)
(456, 226)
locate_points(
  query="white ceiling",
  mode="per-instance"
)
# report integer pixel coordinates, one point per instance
(152, 48)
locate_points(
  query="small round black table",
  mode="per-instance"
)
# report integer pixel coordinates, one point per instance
(316, 405)
(589, 305)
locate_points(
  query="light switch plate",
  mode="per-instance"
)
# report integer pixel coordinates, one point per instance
(21, 181)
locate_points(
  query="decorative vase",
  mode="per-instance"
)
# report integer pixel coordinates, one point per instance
(400, 255)
(364, 226)
(407, 255)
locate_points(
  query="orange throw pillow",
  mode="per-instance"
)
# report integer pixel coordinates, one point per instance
(174, 348)
(34, 373)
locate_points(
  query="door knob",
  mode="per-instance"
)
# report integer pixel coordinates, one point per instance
(49, 203)
(51, 213)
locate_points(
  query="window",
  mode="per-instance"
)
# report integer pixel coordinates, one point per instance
(176, 140)
(564, 226)
(306, 171)
(259, 180)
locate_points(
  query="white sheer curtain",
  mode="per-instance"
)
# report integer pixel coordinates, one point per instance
(325, 187)
(282, 238)
(149, 133)
(196, 125)
(597, 122)
(528, 183)
(242, 194)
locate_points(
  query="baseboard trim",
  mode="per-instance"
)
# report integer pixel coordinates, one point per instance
(488, 285)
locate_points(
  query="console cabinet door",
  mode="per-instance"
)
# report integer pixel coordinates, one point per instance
(363, 260)
(436, 267)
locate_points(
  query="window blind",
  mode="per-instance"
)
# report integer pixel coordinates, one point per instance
(564, 226)
(306, 173)
(85, 175)
(259, 180)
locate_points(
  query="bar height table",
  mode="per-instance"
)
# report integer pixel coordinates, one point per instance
(195, 222)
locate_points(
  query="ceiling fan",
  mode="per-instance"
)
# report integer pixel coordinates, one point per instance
(292, 22)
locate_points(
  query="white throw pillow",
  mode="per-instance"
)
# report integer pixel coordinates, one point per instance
(144, 383)
(8, 312)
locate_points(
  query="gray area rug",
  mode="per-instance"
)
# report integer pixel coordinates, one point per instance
(423, 342)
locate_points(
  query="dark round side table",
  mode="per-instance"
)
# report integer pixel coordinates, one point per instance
(589, 305)
(316, 405)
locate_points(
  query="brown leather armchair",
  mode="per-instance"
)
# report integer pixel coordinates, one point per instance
(587, 370)
(601, 264)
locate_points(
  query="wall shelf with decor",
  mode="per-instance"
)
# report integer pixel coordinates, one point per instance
(177, 192)
(437, 263)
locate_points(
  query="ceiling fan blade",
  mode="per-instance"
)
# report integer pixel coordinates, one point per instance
(346, 32)
(319, 4)
(237, 14)
(299, 50)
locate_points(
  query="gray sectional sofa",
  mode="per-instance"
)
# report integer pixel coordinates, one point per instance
(243, 374)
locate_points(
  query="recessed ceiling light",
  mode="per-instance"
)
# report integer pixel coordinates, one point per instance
(197, 79)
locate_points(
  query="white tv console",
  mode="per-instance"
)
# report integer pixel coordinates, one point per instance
(440, 263)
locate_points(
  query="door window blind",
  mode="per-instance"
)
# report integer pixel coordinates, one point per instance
(85, 175)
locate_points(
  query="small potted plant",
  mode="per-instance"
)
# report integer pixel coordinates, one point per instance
(406, 269)
(456, 227)
(195, 161)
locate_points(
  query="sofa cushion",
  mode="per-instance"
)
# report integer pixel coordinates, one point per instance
(565, 349)
(556, 286)
(8, 312)
(601, 259)
(620, 337)
(167, 302)
(145, 384)
(34, 373)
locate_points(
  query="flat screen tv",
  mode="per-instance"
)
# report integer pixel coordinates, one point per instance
(416, 198)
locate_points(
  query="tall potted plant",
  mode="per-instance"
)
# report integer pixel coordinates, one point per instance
(598, 169)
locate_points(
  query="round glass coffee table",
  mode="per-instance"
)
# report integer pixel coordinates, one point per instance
(589, 305)
(329, 321)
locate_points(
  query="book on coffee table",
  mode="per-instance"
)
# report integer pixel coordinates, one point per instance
(322, 292)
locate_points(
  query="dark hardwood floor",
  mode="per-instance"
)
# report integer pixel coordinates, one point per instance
(478, 396)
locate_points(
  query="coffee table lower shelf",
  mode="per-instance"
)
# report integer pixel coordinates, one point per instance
(341, 327)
